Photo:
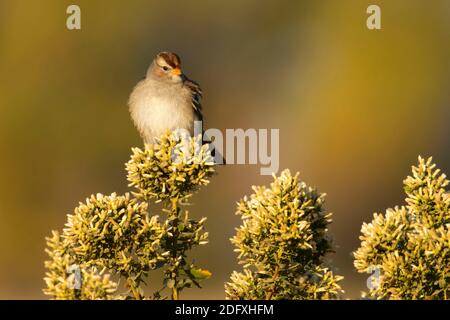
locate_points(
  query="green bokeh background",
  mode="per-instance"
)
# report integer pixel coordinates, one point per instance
(354, 107)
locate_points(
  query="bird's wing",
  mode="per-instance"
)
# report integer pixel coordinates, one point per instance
(196, 97)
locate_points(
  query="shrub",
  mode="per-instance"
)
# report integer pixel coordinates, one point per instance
(110, 238)
(282, 243)
(410, 245)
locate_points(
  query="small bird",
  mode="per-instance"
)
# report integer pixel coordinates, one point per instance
(165, 99)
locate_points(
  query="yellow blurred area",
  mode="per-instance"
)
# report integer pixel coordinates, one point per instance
(354, 107)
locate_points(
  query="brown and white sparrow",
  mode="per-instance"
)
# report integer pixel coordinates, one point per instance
(165, 99)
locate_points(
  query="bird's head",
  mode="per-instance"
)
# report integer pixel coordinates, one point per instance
(166, 67)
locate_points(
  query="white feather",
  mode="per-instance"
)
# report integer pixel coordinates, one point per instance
(156, 107)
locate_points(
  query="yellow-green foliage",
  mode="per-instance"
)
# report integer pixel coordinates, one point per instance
(282, 243)
(61, 284)
(410, 245)
(170, 169)
(115, 237)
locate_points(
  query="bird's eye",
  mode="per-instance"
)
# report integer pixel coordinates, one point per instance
(165, 68)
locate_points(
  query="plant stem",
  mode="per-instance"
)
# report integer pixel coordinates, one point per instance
(174, 273)
(274, 278)
(134, 291)
(174, 292)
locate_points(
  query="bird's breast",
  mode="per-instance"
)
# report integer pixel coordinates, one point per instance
(155, 111)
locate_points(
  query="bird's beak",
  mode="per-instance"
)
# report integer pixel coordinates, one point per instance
(176, 72)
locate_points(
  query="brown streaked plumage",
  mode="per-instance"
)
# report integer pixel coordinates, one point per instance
(170, 58)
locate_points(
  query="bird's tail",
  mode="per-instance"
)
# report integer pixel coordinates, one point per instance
(218, 157)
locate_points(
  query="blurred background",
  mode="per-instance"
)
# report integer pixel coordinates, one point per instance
(354, 107)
